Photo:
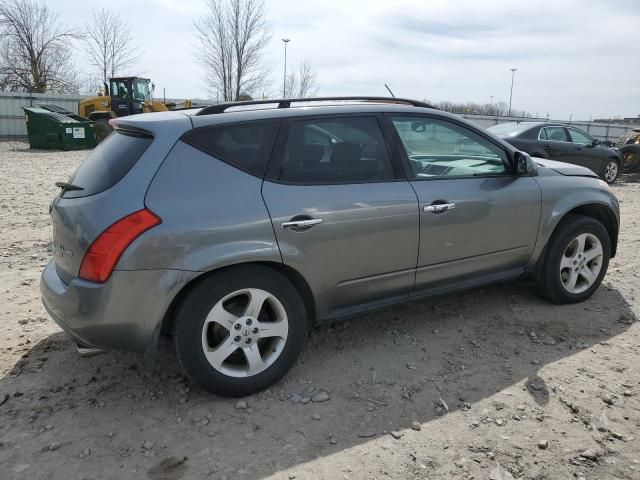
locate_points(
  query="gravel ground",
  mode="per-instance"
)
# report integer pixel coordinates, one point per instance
(487, 384)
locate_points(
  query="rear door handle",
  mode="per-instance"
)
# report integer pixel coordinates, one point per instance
(439, 207)
(301, 224)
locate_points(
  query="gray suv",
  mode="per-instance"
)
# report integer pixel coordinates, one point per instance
(236, 227)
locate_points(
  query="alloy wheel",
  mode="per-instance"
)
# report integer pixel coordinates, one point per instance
(611, 172)
(245, 332)
(581, 263)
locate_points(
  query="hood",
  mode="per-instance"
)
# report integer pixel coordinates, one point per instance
(565, 168)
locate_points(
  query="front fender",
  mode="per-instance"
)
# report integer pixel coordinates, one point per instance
(563, 195)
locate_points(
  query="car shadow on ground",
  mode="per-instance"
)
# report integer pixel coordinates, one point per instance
(381, 371)
(630, 177)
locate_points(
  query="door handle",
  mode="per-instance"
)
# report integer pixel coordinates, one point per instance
(439, 207)
(301, 224)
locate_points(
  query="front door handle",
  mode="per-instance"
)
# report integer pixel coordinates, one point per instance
(301, 225)
(439, 207)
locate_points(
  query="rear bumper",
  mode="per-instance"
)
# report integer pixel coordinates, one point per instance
(124, 313)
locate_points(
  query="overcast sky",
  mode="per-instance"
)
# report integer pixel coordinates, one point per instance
(574, 57)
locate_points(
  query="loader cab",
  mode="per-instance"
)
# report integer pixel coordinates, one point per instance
(129, 95)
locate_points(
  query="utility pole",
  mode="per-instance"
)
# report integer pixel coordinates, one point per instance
(491, 104)
(284, 80)
(513, 73)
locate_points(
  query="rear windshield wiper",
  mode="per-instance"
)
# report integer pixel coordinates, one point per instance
(67, 187)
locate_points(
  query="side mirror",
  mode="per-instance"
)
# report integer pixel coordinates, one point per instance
(596, 142)
(524, 164)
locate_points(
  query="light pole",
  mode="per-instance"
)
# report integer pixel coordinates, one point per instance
(284, 79)
(491, 104)
(513, 73)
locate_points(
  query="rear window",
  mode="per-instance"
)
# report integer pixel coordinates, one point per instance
(107, 164)
(246, 146)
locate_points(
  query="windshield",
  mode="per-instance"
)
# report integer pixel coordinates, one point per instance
(509, 129)
(141, 91)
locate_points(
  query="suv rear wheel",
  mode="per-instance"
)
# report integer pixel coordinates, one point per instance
(239, 331)
(576, 260)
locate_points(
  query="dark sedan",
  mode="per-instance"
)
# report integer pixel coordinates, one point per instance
(563, 143)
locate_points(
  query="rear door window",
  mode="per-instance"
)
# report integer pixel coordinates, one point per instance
(555, 134)
(108, 163)
(333, 150)
(246, 146)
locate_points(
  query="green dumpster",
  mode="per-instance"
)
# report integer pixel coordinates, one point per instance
(54, 128)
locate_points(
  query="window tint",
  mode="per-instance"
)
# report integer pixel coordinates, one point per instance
(246, 146)
(556, 134)
(442, 149)
(336, 150)
(107, 164)
(579, 137)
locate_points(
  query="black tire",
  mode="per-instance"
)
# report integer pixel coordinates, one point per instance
(617, 174)
(550, 284)
(631, 161)
(199, 301)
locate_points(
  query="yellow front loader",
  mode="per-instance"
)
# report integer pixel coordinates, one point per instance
(121, 97)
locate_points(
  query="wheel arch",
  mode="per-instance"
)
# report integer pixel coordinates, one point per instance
(601, 212)
(604, 215)
(288, 272)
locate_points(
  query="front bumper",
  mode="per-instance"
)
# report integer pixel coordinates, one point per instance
(125, 313)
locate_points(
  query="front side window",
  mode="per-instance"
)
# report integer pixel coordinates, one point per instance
(579, 137)
(555, 134)
(437, 148)
(335, 150)
(246, 146)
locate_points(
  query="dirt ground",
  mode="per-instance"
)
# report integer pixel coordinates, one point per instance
(487, 384)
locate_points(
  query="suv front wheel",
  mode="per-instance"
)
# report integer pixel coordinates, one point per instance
(576, 260)
(611, 171)
(240, 330)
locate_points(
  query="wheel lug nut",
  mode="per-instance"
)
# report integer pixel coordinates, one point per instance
(237, 326)
(249, 322)
(247, 341)
(236, 338)
(255, 330)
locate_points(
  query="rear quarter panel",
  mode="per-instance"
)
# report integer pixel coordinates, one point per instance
(212, 215)
(80, 220)
(532, 147)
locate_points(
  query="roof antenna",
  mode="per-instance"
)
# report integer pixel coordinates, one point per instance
(387, 87)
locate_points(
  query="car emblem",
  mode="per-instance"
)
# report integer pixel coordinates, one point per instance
(62, 250)
(246, 332)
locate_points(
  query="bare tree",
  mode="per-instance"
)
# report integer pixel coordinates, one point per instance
(498, 108)
(109, 44)
(302, 83)
(35, 50)
(232, 39)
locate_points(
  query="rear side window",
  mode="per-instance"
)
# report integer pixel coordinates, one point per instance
(556, 134)
(107, 164)
(335, 150)
(246, 146)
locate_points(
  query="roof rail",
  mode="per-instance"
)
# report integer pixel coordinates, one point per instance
(286, 103)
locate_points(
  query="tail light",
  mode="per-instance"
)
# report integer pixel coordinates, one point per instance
(105, 251)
